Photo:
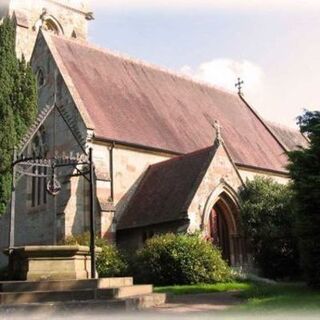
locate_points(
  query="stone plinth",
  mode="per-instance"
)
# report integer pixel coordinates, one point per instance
(34, 263)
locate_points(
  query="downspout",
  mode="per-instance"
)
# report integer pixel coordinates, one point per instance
(111, 172)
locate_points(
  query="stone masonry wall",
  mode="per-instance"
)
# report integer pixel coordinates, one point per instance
(251, 174)
(220, 171)
(129, 166)
(68, 15)
(68, 212)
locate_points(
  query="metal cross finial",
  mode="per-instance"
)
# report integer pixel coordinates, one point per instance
(239, 86)
(217, 126)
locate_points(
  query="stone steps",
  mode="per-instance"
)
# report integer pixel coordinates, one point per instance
(73, 295)
(105, 293)
(83, 308)
(124, 292)
(27, 286)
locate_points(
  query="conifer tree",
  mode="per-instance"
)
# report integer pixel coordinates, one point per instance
(18, 105)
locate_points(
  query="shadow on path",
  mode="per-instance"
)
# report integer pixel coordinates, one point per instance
(203, 302)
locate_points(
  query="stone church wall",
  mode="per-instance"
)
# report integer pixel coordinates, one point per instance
(49, 222)
(68, 212)
(220, 172)
(133, 239)
(74, 217)
(129, 166)
(251, 174)
(69, 16)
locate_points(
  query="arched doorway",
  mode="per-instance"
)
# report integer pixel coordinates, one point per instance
(219, 231)
(221, 225)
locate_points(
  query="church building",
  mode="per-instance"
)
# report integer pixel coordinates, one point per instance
(171, 154)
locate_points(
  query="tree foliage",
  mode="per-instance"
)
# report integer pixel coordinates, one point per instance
(304, 170)
(268, 220)
(18, 104)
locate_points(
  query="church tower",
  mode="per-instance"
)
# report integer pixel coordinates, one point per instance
(63, 17)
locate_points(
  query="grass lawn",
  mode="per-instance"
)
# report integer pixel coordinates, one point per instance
(205, 288)
(280, 297)
(260, 297)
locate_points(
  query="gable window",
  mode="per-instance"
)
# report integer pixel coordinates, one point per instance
(39, 184)
(38, 187)
(40, 78)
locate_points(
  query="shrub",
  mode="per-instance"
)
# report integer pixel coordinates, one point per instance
(268, 220)
(110, 262)
(180, 259)
(83, 239)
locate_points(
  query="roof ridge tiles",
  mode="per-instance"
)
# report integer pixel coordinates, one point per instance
(127, 57)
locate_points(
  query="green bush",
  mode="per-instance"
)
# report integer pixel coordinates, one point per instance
(180, 259)
(110, 263)
(268, 219)
(83, 239)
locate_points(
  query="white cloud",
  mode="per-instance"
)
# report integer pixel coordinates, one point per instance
(214, 4)
(225, 72)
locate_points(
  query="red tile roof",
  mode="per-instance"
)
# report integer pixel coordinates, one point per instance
(166, 190)
(131, 102)
(291, 139)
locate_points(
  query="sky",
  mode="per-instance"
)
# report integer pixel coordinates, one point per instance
(273, 45)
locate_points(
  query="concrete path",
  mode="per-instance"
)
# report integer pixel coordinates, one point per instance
(193, 303)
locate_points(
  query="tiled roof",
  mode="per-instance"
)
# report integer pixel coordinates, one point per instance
(166, 190)
(131, 102)
(289, 137)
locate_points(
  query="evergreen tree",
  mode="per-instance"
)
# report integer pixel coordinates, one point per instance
(304, 170)
(18, 105)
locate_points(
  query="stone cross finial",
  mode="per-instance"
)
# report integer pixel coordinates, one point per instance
(239, 86)
(40, 22)
(217, 127)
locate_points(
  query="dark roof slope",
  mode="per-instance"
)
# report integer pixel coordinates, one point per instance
(166, 190)
(132, 102)
(289, 137)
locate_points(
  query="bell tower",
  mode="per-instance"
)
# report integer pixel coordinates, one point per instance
(62, 17)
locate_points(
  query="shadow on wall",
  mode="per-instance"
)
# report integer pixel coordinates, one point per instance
(81, 204)
(121, 205)
(4, 238)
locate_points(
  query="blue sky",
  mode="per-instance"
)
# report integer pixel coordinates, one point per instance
(274, 48)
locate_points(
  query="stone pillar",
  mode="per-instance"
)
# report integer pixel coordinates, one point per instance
(35, 263)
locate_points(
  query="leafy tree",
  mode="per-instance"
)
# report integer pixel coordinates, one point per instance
(268, 220)
(304, 170)
(18, 105)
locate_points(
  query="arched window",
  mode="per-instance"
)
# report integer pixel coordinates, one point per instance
(74, 35)
(40, 78)
(39, 149)
(50, 25)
